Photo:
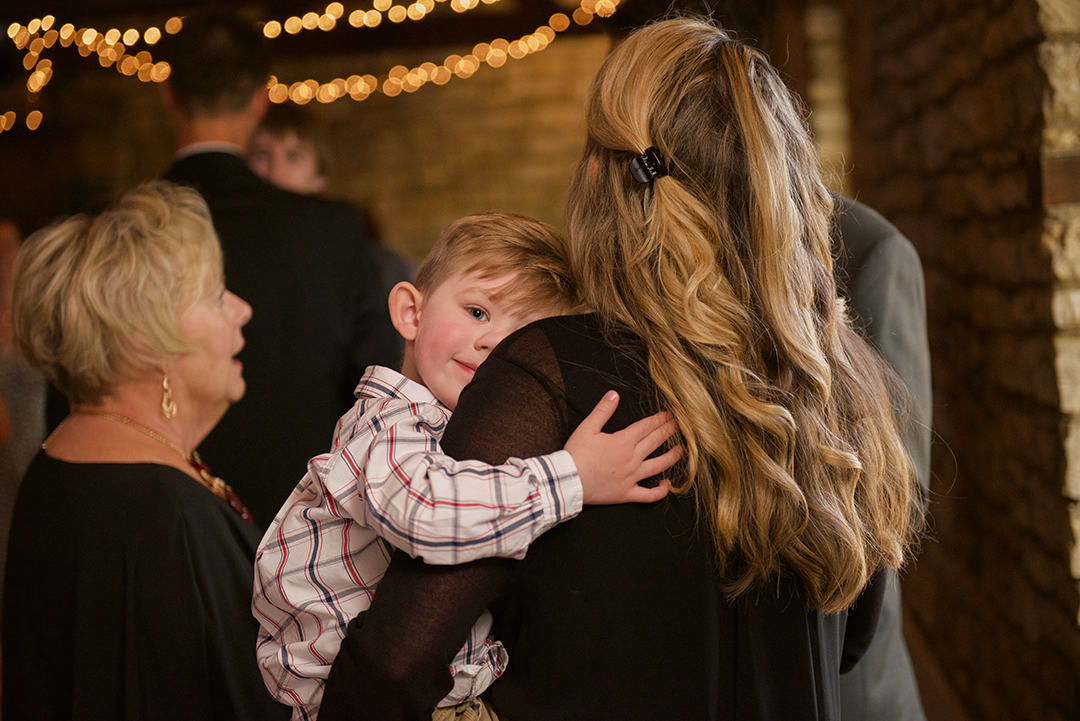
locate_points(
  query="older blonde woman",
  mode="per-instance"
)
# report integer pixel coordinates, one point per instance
(130, 566)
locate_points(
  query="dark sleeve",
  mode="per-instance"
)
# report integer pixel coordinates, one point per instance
(394, 661)
(862, 620)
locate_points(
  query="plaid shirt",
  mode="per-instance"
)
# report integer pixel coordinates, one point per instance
(385, 481)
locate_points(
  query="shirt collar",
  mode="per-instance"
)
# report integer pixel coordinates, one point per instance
(209, 146)
(382, 382)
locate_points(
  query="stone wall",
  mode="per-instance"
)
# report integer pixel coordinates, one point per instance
(948, 133)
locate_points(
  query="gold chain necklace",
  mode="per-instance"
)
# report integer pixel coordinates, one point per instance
(214, 484)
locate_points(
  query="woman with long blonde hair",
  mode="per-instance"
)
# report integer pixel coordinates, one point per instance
(700, 227)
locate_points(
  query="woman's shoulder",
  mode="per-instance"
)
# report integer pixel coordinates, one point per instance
(570, 341)
(554, 332)
(129, 496)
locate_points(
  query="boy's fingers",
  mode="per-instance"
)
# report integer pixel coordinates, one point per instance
(640, 494)
(657, 436)
(641, 429)
(600, 414)
(661, 463)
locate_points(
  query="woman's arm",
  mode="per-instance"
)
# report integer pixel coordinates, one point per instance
(394, 663)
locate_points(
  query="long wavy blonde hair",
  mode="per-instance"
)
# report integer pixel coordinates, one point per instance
(724, 269)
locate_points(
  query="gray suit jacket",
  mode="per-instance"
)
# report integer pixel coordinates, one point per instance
(879, 272)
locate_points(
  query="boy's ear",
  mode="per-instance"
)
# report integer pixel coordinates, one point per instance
(406, 304)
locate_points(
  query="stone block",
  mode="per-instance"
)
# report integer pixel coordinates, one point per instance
(1072, 456)
(1074, 556)
(1061, 63)
(1059, 16)
(1067, 365)
(1061, 237)
(1066, 309)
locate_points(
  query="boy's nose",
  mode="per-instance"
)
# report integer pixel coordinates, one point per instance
(486, 341)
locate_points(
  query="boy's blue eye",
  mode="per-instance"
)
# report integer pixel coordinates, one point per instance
(477, 313)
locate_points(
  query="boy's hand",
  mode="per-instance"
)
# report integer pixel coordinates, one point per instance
(611, 464)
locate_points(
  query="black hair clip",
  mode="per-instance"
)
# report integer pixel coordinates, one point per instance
(648, 167)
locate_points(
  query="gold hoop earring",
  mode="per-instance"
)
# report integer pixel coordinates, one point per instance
(168, 405)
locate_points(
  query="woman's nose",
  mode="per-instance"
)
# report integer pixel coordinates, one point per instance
(244, 309)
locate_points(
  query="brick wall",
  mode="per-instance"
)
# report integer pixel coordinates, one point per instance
(507, 138)
(948, 137)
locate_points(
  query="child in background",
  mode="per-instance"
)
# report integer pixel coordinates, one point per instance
(286, 150)
(385, 481)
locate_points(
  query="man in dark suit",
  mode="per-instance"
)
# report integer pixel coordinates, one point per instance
(302, 262)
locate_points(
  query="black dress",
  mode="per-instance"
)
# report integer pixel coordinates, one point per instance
(128, 596)
(616, 614)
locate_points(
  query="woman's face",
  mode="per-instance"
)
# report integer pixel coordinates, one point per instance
(211, 378)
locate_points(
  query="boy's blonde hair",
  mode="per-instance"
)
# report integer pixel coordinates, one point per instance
(494, 244)
(97, 299)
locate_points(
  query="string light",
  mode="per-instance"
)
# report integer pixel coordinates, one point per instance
(113, 49)
(362, 18)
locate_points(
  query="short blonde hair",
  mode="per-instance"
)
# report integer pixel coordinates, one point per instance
(496, 244)
(98, 299)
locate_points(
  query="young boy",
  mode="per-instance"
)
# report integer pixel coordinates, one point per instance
(285, 151)
(384, 481)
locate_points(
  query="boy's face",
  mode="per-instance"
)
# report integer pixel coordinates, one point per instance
(458, 326)
(286, 161)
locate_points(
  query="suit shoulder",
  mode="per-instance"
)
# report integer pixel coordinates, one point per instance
(860, 231)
